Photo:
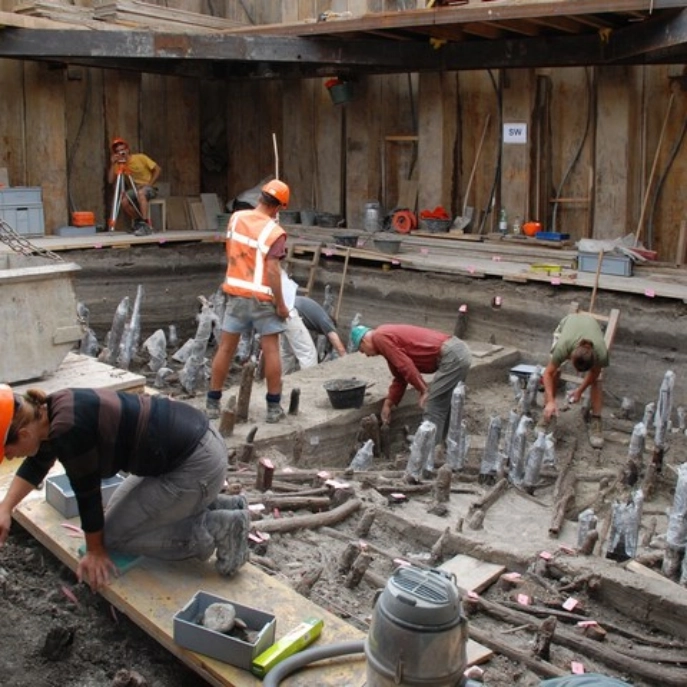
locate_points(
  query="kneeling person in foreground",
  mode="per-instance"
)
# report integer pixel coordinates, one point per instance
(168, 507)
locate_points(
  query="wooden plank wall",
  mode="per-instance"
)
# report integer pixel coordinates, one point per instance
(217, 137)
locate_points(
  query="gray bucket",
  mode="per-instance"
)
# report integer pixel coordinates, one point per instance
(372, 216)
(418, 635)
(309, 217)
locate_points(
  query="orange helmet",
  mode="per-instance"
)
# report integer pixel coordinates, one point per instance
(118, 142)
(6, 415)
(277, 189)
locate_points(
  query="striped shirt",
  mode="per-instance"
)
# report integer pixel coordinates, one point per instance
(97, 433)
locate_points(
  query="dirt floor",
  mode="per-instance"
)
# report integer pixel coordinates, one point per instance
(54, 631)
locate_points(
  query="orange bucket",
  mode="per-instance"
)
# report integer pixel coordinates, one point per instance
(83, 219)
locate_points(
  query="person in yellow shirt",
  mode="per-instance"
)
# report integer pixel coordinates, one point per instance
(144, 172)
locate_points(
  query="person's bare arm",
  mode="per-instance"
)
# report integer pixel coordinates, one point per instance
(589, 379)
(18, 490)
(549, 379)
(336, 343)
(155, 175)
(274, 282)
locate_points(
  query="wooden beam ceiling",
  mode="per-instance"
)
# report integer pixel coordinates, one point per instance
(510, 36)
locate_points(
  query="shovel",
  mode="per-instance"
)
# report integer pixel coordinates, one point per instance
(463, 221)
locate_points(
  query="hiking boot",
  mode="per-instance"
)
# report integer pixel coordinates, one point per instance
(143, 229)
(229, 529)
(227, 502)
(596, 438)
(212, 408)
(275, 413)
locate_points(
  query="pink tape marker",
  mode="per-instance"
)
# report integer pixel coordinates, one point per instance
(555, 281)
(577, 668)
(570, 603)
(650, 293)
(471, 269)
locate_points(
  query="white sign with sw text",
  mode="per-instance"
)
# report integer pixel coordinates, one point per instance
(515, 132)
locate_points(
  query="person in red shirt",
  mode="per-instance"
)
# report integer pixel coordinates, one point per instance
(411, 352)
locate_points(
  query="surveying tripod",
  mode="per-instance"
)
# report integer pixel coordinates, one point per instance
(121, 182)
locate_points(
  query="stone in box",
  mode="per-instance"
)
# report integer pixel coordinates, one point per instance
(60, 495)
(190, 634)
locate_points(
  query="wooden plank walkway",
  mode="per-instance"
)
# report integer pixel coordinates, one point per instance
(152, 591)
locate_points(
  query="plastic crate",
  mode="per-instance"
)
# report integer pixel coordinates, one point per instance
(618, 265)
(191, 635)
(20, 195)
(26, 221)
(60, 495)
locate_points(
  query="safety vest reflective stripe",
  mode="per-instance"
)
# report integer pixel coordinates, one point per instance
(260, 248)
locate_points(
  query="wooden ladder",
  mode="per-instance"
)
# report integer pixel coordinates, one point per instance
(290, 261)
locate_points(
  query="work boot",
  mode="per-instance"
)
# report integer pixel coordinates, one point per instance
(143, 228)
(275, 413)
(229, 529)
(212, 408)
(596, 438)
(226, 502)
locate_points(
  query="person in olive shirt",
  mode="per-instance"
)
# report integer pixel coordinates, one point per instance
(168, 507)
(410, 352)
(579, 339)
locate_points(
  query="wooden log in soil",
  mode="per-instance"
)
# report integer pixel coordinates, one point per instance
(245, 389)
(545, 633)
(563, 492)
(365, 522)
(355, 574)
(307, 581)
(442, 484)
(491, 641)
(315, 504)
(350, 553)
(313, 521)
(589, 543)
(655, 674)
(490, 498)
(437, 552)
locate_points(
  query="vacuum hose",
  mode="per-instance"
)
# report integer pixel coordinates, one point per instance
(304, 658)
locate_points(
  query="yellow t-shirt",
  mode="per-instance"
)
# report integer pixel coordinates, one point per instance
(141, 168)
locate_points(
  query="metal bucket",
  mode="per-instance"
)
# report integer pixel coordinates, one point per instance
(418, 635)
(372, 216)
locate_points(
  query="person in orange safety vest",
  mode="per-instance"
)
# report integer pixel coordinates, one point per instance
(255, 245)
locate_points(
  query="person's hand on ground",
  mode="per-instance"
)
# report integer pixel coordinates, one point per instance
(575, 396)
(95, 568)
(550, 410)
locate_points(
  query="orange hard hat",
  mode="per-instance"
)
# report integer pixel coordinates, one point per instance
(277, 189)
(118, 142)
(6, 415)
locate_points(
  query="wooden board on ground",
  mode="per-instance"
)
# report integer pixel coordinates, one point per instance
(178, 218)
(472, 574)
(198, 219)
(453, 235)
(481, 349)
(82, 371)
(477, 653)
(152, 591)
(212, 209)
